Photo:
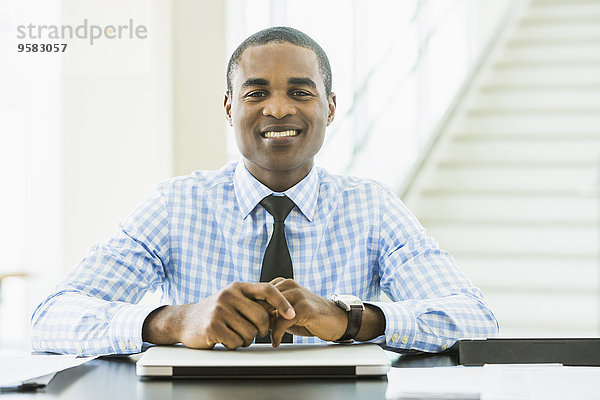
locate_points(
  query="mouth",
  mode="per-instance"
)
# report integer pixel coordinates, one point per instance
(277, 133)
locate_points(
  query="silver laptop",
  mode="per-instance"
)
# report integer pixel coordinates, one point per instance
(262, 360)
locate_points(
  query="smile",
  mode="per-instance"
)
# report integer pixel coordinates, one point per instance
(274, 134)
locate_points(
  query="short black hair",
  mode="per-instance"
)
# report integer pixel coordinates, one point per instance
(282, 34)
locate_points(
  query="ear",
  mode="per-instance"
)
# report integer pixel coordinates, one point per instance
(227, 106)
(332, 104)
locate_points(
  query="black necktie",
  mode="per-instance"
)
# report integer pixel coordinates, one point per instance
(277, 261)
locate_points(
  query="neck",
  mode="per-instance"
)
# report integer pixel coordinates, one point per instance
(277, 180)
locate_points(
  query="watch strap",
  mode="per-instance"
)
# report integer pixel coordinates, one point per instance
(354, 323)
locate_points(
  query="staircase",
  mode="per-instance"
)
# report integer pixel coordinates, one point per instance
(504, 188)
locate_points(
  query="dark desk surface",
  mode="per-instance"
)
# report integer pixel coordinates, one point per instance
(114, 379)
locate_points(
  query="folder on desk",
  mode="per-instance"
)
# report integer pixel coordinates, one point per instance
(566, 351)
(262, 360)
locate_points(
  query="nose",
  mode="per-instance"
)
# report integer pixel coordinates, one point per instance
(279, 107)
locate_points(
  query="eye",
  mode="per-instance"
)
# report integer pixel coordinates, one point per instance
(256, 94)
(300, 93)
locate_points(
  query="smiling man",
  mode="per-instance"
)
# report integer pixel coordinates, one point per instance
(268, 244)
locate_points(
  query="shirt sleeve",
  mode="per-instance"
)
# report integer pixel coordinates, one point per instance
(95, 310)
(433, 302)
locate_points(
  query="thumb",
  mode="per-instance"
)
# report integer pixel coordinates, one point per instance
(278, 329)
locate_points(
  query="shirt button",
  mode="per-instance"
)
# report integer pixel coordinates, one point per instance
(404, 339)
(122, 345)
(79, 350)
(132, 344)
(444, 347)
(395, 337)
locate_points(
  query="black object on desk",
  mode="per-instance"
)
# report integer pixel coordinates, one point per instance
(567, 351)
(23, 387)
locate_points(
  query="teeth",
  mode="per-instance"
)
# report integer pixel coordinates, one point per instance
(272, 134)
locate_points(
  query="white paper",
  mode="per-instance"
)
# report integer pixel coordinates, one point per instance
(17, 367)
(434, 383)
(495, 382)
(541, 382)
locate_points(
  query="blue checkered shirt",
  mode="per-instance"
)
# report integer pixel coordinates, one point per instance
(197, 234)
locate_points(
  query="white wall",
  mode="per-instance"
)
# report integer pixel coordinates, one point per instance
(137, 112)
(117, 119)
(30, 203)
(199, 64)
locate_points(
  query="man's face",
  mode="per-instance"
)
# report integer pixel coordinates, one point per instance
(278, 109)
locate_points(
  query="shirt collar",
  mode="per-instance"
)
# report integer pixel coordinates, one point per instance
(249, 191)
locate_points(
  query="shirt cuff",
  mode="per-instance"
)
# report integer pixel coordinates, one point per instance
(126, 327)
(400, 324)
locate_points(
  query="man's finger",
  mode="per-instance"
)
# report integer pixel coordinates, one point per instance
(258, 314)
(268, 293)
(278, 329)
(277, 280)
(223, 333)
(244, 328)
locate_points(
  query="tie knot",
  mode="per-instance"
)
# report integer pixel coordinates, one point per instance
(278, 206)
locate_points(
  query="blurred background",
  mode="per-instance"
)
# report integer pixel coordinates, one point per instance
(483, 115)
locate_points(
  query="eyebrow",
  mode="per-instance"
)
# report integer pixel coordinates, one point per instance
(292, 81)
(302, 82)
(255, 82)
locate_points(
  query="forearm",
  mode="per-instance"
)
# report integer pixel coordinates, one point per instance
(433, 325)
(73, 323)
(162, 325)
(373, 323)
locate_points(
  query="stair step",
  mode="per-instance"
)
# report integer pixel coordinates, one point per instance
(530, 122)
(575, 16)
(490, 208)
(555, 42)
(563, 11)
(507, 150)
(505, 177)
(552, 52)
(533, 111)
(566, 31)
(590, 138)
(516, 163)
(542, 3)
(532, 63)
(534, 275)
(544, 75)
(493, 98)
(516, 239)
(544, 312)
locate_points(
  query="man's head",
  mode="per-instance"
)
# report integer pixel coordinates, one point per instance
(282, 34)
(279, 107)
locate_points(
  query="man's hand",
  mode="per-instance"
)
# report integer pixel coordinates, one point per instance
(317, 316)
(234, 317)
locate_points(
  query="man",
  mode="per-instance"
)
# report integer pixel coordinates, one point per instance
(224, 256)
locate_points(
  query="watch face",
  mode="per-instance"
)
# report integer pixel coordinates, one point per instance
(348, 300)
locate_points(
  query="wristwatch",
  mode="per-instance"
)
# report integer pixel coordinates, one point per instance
(355, 308)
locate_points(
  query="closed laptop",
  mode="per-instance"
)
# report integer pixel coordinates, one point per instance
(262, 360)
